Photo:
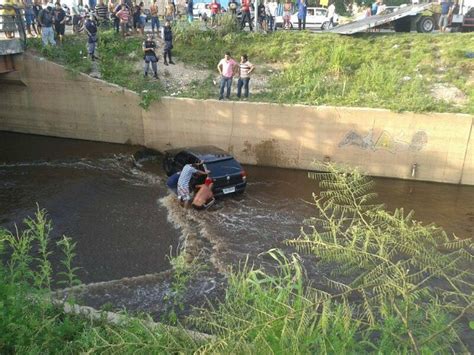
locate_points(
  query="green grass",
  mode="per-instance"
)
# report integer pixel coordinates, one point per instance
(394, 71)
(120, 61)
(72, 53)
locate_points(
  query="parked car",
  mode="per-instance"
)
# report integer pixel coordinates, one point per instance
(226, 173)
(316, 18)
(201, 8)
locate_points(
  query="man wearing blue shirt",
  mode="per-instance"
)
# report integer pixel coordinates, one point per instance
(443, 18)
(302, 10)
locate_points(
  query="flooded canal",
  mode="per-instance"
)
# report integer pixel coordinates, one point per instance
(125, 221)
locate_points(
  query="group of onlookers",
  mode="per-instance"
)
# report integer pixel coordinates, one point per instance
(47, 20)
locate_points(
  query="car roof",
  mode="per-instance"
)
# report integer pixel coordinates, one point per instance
(206, 153)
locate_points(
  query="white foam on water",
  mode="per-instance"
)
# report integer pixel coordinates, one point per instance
(195, 230)
(121, 164)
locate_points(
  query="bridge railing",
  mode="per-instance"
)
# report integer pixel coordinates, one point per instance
(12, 25)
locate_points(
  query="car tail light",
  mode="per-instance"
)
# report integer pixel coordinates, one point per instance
(244, 175)
(208, 181)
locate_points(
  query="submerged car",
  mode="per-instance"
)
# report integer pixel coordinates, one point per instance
(226, 173)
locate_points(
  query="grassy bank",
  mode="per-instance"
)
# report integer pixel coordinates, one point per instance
(396, 287)
(401, 72)
(120, 62)
(395, 71)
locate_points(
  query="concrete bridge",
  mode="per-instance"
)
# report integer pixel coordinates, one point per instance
(12, 37)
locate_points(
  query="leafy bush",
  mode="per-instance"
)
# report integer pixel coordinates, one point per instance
(408, 281)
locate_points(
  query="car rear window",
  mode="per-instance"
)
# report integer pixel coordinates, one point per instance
(223, 167)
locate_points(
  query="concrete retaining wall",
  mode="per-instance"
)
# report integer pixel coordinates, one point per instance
(382, 142)
(56, 102)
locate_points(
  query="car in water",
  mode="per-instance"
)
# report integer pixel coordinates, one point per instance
(226, 173)
(316, 18)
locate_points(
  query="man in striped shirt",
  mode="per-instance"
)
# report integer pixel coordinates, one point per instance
(184, 194)
(101, 12)
(245, 69)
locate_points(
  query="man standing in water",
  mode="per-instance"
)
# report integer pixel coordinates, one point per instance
(184, 195)
(226, 67)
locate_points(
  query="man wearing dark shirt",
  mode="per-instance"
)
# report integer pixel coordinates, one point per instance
(91, 29)
(261, 16)
(46, 19)
(168, 38)
(59, 21)
(149, 56)
(190, 5)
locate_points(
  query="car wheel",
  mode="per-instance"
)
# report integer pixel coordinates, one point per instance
(402, 25)
(325, 26)
(425, 25)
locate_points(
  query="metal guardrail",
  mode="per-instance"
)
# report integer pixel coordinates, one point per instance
(12, 25)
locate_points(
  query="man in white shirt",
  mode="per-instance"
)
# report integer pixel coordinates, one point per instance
(272, 7)
(331, 12)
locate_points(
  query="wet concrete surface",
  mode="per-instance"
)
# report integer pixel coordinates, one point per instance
(124, 220)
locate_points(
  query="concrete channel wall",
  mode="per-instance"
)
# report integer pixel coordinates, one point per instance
(46, 99)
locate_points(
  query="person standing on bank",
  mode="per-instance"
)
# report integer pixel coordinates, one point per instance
(30, 17)
(245, 68)
(59, 22)
(149, 56)
(123, 15)
(155, 21)
(302, 10)
(90, 27)
(189, 10)
(46, 19)
(246, 18)
(226, 67)
(167, 36)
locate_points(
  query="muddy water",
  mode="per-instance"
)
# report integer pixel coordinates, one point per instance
(93, 194)
(277, 200)
(124, 220)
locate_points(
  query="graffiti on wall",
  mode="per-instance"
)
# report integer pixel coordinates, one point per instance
(385, 141)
